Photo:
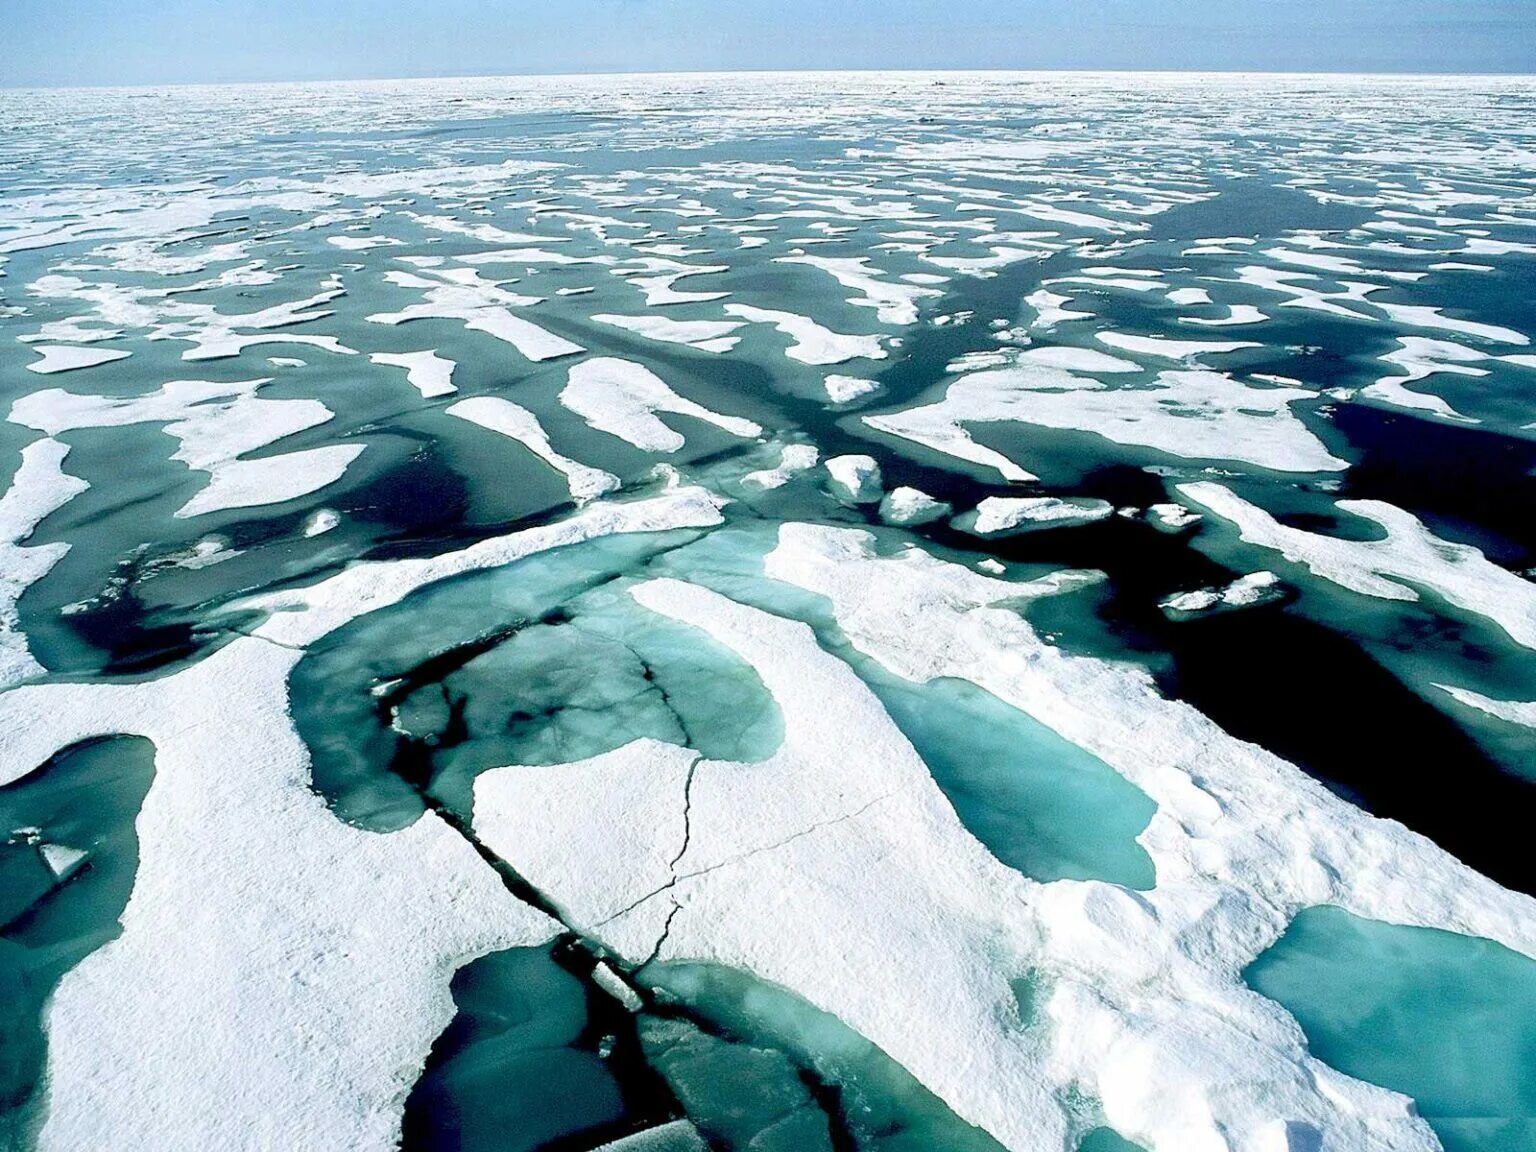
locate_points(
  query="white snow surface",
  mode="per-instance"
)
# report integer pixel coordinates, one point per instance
(1000, 515)
(855, 478)
(67, 358)
(893, 302)
(813, 344)
(331, 947)
(1408, 558)
(39, 488)
(427, 372)
(215, 425)
(1194, 414)
(622, 398)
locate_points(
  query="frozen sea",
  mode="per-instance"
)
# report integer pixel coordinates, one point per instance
(817, 612)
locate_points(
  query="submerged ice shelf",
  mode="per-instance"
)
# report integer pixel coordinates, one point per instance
(763, 613)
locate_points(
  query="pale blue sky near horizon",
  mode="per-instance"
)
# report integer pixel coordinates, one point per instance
(78, 42)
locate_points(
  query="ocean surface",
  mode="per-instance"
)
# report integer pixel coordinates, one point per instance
(874, 612)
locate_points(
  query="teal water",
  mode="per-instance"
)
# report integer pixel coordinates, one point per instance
(86, 798)
(1449, 1020)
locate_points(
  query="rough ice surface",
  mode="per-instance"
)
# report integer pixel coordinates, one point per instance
(979, 632)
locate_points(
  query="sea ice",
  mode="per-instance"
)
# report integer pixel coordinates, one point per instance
(622, 398)
(501, 415)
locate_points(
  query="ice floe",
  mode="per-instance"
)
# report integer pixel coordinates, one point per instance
(1003, 515)
(893, 303)
(622, 398)
(40, 487)
(1244, 592)
(855, 478)
(705, 335)
(1193, 414)
(501, 415)
(66, 358)
(1408, 557)
(911, 506)
(427, 372)
(813, 344)
(215, 425)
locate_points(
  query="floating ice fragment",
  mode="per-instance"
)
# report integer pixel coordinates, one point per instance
(64, 358)
(1244, 592)
(513, 420)
(855, 478)
(622, 398)
(911, 506)
(427, 372)
(705, 335)
(794, 459)
(813, 343)
(1002, 515)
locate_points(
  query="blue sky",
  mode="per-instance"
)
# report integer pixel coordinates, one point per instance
(48, 42)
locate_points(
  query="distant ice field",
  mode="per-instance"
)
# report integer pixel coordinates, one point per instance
(769, 612)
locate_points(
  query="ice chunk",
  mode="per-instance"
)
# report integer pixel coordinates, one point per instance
(65, 358)
(1001, 515)
(1244, 592)
(705, 335)
(501, 415)
(855, 478)
(427, 372)
(813, 344)
(911, 506)
(622, 398)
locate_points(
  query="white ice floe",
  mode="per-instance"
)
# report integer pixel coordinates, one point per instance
(678, 1136)
(1407, 558)
(855, 478)
(1420, 316)
(67, 358)
(1192, 414)
(319, 522)
(894, 303)
(845, 389)
(705, 335)
(1244, 592)
(1521, 712)
(215, 425)
(1420, 358)
(911, 506)
(1049, 310)
(1171, 517)
(1237, 314)
(1169, 349)
(662, 274)
(427, 372)
(1075, 359)
(813, 344)
(509, 419)
(1003, 515)
(838, 856)
(622, 398)
(330, 945)
(483, 305)
(62, 860)
(793, 460)
(39, 488)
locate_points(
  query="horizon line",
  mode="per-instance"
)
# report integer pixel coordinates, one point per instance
(1399, 73)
